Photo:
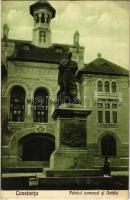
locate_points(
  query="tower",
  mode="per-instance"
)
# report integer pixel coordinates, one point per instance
(42, 12)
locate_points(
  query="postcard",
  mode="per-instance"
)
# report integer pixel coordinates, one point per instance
(64, 99)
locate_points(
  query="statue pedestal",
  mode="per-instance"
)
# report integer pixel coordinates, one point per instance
(71, 138)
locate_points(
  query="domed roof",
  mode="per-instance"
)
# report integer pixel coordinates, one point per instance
(42, 4)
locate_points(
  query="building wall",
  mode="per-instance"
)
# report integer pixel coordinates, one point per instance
(119, 131)
(32, 75)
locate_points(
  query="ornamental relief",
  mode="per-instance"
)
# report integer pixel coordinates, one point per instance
(73, 133)
(40, 129)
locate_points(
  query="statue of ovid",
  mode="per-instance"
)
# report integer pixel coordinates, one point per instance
(67, 81)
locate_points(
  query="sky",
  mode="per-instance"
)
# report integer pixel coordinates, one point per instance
(103, 26)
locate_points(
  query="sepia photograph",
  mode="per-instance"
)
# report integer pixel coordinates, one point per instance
(65, 97)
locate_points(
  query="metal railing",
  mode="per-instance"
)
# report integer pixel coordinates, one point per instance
(108, 95)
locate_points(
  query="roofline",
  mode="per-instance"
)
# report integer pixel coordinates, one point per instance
(15, 40)
(85, 65)
(29, 41)
(79, 74)
(33, 60)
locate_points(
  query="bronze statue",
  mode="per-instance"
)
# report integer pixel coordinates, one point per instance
(67, 81)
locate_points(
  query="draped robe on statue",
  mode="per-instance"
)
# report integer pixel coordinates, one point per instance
(67, 80)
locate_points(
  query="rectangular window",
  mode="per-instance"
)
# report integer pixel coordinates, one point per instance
(107, 117)
(100, 117)
(100, 105)
(114, 116)
(107, 105)
(114, 105)
(42, 36)
(99, 86)
(114, 87)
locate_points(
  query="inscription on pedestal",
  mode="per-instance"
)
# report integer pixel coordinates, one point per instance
(73, 133)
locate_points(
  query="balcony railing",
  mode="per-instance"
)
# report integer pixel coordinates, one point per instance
(108, 95)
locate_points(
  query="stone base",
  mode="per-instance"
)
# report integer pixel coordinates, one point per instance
(71, 159)
(71, 138)
(73, 173)
(40, 182)
(9, 160)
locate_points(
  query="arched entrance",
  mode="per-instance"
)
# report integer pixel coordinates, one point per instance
(36, 147)
(108, 146)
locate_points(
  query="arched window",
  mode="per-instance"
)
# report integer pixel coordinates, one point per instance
(42, 36)
(107, 86)
(17, 104)
(42, 18)
(108, 146)
(113, 87)
(99, 86)
(40, 105)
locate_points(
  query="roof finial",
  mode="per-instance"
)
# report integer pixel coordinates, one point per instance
(5, 31)
(99, 55)
(76, 39)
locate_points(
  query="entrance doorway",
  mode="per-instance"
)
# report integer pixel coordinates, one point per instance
(37, 147)
(108, 146)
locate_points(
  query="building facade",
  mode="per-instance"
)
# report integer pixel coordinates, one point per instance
(29, 90)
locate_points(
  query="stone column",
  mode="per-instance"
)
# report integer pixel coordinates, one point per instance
(29, 112)
(40, 16)
(46, 17)
(35, 19)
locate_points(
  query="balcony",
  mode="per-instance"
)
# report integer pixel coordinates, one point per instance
(108, 95)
